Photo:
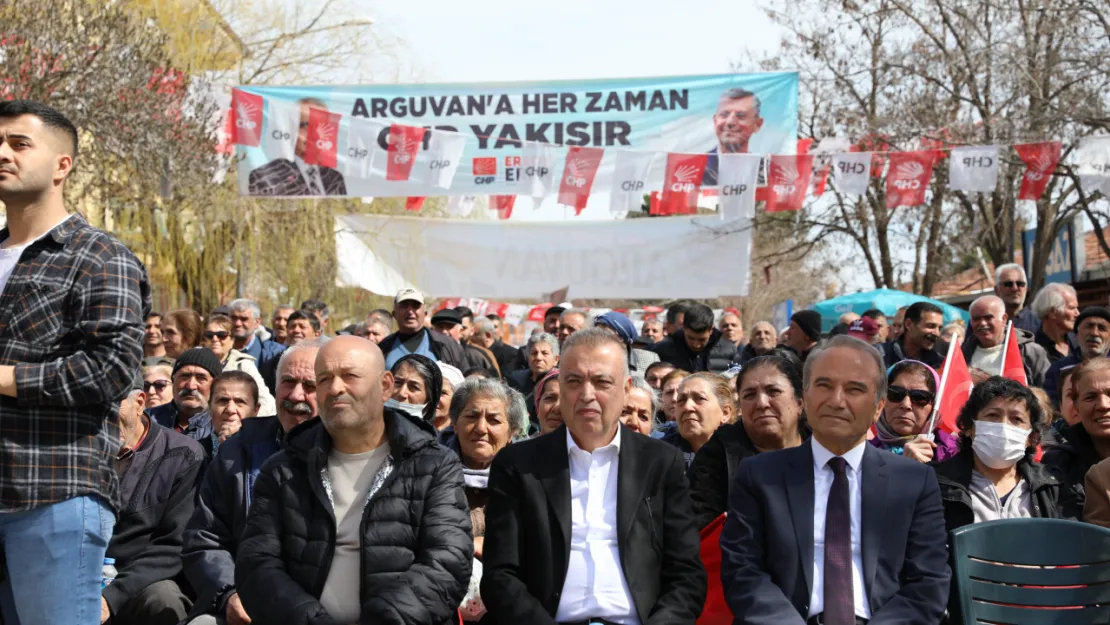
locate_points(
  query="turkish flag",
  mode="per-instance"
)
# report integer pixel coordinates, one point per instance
(404, 144)
(322, 141)
(716, 610)
(578, 176)
(536, 313)
(246, 118)
(955, 388)
(1040, 161)
(1012, 366)
(414, 203)
(681, 183)
(788, 180)
(503, 204)
(908, 177)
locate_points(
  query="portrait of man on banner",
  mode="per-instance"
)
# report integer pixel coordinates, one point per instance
(737, 119)
(284, 177)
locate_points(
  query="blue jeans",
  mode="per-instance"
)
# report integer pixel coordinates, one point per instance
(53, 557)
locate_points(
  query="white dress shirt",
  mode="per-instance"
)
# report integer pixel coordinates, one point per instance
(311, 175)
(822, 484)
(595, 586)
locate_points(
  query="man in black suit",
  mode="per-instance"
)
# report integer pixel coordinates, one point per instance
(593, 522)
(836, 532)
(283, 177)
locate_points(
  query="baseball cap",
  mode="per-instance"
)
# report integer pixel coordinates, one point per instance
(405, 295)
(863, 328)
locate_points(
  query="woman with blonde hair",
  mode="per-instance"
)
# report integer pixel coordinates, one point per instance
(704, 403)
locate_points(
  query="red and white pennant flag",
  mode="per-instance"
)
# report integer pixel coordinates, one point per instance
(578, 176)
(681, 183)
(630, 181)
(246, 118)
(1040, 161)
(404, 145)
(973, 169)
(853, 172)
(908, 178)
(788, 180)
(737, 177)
(322, 141)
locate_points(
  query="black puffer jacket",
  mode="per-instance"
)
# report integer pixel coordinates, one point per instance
(954, 477)
(1071, 460)
(716, 356)
(416, 544)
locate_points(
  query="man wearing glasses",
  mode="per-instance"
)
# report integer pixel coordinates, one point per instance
(282, 177)
(736, 120)
(1012, 286)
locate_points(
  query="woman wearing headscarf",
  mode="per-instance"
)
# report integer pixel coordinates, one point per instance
(417, 386)
(452, 379)
(910, 395)
(622, 326)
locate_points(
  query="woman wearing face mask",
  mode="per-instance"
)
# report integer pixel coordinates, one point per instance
(912, 388)
(994, 475)
(771, 418)
(417, 386)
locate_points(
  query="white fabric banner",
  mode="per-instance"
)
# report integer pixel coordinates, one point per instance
(283, 121)
(1093, 159)
(853, 172)
(739, 174)
(630, 181)
(436, 166)
(973, 169)
(537, 169)
(632, 259)
(461, 205)
(362, 156)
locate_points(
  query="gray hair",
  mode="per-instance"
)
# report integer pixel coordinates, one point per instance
(656, 400)
(1008, 267)
(736, 93)
(596, 337)
(843, 340)
(245, 304)
(575, 311)
(988, 300)
(1051, 298)
(315, 343)
(484, 325)
(544, 337)
(515, 408)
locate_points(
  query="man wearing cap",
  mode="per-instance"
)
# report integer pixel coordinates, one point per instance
(864, 329)
(412, 337)
(805, 332)
(187, 414)
(1093, 330)
(159, 471)
(449, 323)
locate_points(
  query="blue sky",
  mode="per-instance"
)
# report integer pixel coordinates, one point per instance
(499, 40)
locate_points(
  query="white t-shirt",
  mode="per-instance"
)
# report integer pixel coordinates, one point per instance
(988, 359)
(351, 476)
(9, 258)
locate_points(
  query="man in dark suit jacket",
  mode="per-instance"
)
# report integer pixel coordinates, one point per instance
(593, 522)
(283, 177)
(836, 531)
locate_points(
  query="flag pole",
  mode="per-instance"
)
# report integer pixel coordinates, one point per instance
(940, 391)
(1005, 347)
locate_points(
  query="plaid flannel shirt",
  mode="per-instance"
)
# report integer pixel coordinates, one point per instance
(71, 321)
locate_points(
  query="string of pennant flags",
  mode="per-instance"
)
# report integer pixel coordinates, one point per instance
(781, 181)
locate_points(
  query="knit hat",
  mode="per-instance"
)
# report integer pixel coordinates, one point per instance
(619, 323)
(810, 323)
(451, 374)
(1092, 311)
(202, 357)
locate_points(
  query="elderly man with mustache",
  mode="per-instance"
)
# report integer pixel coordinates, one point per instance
(212, 536)
(188, 414)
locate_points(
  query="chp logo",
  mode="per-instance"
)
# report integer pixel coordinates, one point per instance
(325, 136)
(784, 179)
(248, 115)
(908, 176)
(405, 148)
(1040, 166)
(485, 169)
(684, 176)
(576, 173)
(851, 168)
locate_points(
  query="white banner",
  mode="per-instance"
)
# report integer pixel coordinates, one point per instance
(461, 205)
(436, 166)
(630, 181)
(280, 136)
(973, 169)
(853, 171)
(738, 178)
(537, 169)
(1093, 160)
(362, 157)
(632, 259)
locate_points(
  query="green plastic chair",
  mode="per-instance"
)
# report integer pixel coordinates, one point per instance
(1001, 573)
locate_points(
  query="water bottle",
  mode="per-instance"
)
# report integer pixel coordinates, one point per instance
(108, 573)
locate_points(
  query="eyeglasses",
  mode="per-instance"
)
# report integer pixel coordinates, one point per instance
(1009, 284)
(919, 398)
(221, 335)
(157, 385)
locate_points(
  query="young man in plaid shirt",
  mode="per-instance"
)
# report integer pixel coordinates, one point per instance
(72, 304)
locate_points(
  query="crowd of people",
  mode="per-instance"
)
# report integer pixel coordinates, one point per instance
(414, 468)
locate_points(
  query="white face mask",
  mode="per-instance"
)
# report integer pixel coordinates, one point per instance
(413, 410)
(998, 445)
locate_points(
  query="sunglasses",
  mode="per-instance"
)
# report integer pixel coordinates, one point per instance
(1009, 284)
(919, 398)
(221, 335)
(157, 385)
